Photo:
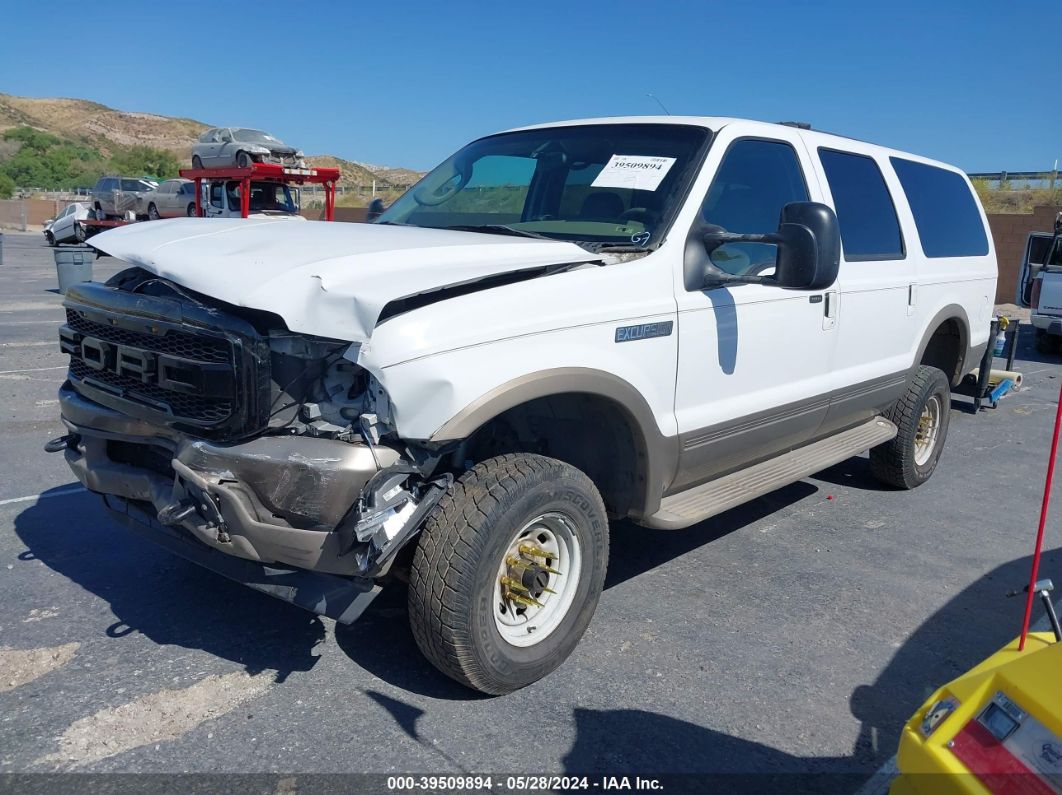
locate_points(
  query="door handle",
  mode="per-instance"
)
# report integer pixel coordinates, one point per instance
(829, 311)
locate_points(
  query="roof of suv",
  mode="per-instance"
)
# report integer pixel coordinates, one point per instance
(716, 123)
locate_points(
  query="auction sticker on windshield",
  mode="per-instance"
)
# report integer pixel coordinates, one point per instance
(637, 172)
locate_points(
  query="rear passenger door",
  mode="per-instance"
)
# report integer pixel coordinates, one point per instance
(753, 358)
(877, 283)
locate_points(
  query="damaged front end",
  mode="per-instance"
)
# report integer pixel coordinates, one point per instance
(263, 455)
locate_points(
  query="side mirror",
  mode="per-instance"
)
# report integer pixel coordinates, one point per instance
(809, 250)
(375, 210)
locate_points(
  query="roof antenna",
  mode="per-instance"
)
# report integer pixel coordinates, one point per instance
(658, 102)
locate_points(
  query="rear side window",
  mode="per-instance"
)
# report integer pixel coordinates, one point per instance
(944, 209)
(865, 213)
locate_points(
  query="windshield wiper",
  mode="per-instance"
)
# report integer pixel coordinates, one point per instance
(498, 229)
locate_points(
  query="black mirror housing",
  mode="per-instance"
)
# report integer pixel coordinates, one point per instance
(374, 210)
(809, 247)
(809, 251)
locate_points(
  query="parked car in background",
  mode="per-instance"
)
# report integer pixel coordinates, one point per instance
(268, 199)
(116, 196)
(66, 227)
(174, 198)
(1040, 286)
(241, 146)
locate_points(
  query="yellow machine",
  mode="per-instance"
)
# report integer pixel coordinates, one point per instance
(996, 729)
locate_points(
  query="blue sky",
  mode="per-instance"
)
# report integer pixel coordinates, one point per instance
(407, 83)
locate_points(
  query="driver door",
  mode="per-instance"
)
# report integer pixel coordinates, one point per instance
(753, 359)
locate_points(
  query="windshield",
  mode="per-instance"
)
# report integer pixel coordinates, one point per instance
(254, 136)
(599, 183)
(266, 197)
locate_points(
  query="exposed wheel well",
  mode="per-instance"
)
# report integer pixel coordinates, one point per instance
(946, 350)
(590, 432)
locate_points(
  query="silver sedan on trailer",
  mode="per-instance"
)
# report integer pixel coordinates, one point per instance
(221, 147)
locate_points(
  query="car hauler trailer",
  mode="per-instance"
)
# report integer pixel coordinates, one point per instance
(266, 173)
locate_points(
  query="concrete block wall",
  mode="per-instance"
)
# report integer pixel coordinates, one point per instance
(1010, 232)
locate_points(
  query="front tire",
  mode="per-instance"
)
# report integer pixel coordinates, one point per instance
(921, 415)
(49, 238)
(508, 571)
(153, 212)
(190, 212)
(243, 160)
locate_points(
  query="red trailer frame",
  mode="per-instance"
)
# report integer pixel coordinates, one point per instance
(265, 172)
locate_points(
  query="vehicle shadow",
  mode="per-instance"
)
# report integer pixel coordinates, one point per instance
(382, 643)
(160, 595)
(634, 550)
(1027, 351)
(974, 624)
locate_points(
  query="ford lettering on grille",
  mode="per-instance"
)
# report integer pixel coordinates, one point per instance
(200, 387)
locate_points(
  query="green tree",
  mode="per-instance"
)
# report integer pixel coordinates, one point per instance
(7, 186)
(145, 161)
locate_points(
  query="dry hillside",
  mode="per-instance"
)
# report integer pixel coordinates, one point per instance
(106, 129)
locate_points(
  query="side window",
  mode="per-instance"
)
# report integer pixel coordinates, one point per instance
(865, 212)
(754, 182)
(215, 195)
(944, 209)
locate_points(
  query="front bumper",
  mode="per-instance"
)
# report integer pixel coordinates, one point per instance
(272, 500)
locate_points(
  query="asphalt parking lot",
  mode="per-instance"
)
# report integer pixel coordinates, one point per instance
(795, 634)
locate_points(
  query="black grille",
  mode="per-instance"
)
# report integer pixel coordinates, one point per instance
(190, 407)
(177, 343)
(170, 361)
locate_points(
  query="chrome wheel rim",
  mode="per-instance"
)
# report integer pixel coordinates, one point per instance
(536, 580)
(928, 431)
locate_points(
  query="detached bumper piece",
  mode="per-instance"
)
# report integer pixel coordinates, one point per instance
(343, 599)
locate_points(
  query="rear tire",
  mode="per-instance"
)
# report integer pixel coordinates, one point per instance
(462, 608)
(191, 210)
(921, 415)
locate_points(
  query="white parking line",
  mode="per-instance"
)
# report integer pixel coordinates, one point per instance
(56, 493)
(32, 370)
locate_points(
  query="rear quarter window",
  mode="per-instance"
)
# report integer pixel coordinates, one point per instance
(944, 209)
(865, 212)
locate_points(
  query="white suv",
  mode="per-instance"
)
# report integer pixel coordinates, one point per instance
(644, 318)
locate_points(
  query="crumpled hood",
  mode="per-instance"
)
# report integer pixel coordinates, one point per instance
(330, 279)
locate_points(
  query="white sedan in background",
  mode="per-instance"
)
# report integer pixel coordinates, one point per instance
(66, 227)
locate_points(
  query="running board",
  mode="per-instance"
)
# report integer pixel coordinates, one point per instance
(711, 498)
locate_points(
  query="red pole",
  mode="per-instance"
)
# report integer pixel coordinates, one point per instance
(245, 197)
(1043, 523)
(198, 197)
